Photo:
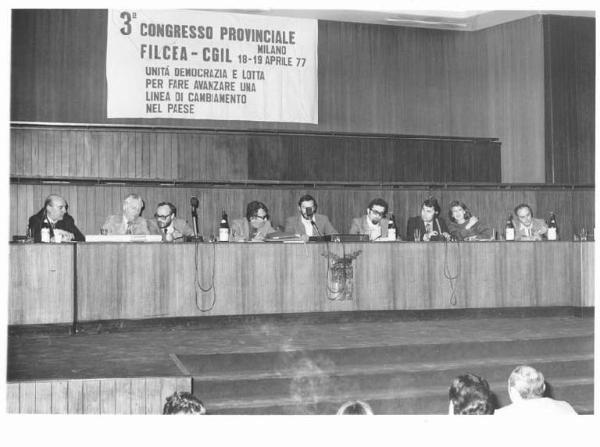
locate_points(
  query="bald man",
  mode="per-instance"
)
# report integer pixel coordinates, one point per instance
(54, 212)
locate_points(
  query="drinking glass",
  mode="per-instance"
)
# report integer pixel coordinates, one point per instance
(417, 235)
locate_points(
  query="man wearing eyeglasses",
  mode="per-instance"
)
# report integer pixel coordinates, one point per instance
(255, 227)
(374, 223)
(168, 225)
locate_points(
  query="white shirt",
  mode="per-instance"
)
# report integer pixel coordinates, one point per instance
(308, 227)
(374, 229)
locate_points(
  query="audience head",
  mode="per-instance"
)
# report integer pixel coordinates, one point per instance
(165, 213)
(524, 213)
(257, 214)
(470, 394)
(307, 205)
(459, 212)
(526, 382)
(377, 210)
(132, 206)
(182, 402)
(430, 209)
(355, 407)
(55, 207)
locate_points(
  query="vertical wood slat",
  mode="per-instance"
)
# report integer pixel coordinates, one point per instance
(43, 397)
(13, 399)
(60, 397)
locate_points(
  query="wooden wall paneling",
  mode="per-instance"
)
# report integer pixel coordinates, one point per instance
(43, 397)
(20, 152)
(138, 395)
(416, 81)
(153, 394)
(123, 395)
(588, 274)
(60, 397)
(108, 396)
(75, 396)
(12, 398)
(41, 284)
(27, 152)
(374, 279)
(569, 90)
(91, 396)
(27, 397)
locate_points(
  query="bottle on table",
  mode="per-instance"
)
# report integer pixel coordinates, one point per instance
(552, 228)
(392, 228)
(224, 228)
(509, 232)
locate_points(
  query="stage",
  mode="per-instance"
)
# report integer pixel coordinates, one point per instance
(402, 362)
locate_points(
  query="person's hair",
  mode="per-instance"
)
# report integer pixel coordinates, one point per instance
(523, 205)
(454, 203)
(527, 381)
(379, 202)
(432, 203)
(53, 197)
(355, 407)
(253, 208)
(170, 205)
(182, 402)
(470, 394)
(137, 197)
(307, 198)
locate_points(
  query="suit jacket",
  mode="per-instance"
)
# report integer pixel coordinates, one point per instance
(294, 225)
(416, 222)
(240, 230)
(115, 225)
(180, 229)
(538, 227)
(360, 226)
(66, 224)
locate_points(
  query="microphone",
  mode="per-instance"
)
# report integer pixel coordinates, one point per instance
(309, 212)
(316, 228)
(194, 203)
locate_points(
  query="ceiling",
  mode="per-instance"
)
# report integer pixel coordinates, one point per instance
(449, 20)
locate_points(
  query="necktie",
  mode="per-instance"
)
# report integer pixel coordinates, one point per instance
(129, 227)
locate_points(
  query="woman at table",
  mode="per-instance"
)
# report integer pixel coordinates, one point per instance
(463, 226)
(255, 226)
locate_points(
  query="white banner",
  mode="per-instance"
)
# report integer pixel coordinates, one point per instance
(207, 65)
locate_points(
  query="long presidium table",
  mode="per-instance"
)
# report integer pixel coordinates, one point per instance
(64, 283)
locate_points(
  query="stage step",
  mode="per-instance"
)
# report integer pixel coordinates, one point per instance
(399, 379)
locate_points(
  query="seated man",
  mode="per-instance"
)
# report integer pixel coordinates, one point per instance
(182, 402)
(470, 394)
(429, 226)
(61, 224)
(527, 228)
(374, 223)
(170, 227)
(308, 222)
(130, 222)
(526, 387)
(255, 226)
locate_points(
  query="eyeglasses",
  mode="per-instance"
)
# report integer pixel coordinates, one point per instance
(255, 217)
(377, 213)
(160, 216)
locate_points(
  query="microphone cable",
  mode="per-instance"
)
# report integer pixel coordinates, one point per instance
(449, 276)
(197, 284)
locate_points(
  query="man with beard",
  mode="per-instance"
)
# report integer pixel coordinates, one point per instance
(374, 222)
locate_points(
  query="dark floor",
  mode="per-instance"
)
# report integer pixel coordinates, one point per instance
(152, 351)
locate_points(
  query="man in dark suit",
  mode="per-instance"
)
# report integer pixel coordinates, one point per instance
(429, 226)
(61, 225)
(308, 223)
